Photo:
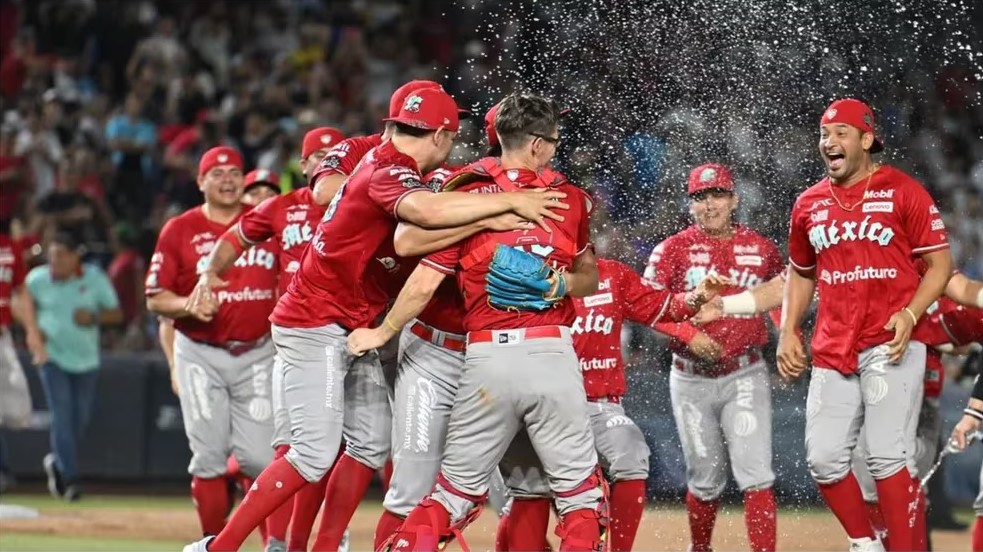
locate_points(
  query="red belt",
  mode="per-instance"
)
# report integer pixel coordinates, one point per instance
(614, 399)
(449, 341)
(504, 336)
(716, 369)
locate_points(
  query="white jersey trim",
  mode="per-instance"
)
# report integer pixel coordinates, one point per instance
(243, 236)
(928, 248)
(438, 267)
(800, 267)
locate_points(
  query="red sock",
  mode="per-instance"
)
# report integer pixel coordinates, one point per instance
(387, 475)
(347, 485)
(211, 498)
(876, 519)
(761, 518)
(529, 520)
(232, 467)
(896, 494)
(278, 482)
(276, 524)
(627, 504)
(502, 533)
(920, 528)
(702, 517)
(847, 503)
(978, 534)
(388, 524)
(307, 503)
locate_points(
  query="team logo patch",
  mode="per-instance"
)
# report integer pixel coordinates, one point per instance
(707, 175)
(413, 103)
(222, 158)
(830, 113)
(325, 139)
(512, 174)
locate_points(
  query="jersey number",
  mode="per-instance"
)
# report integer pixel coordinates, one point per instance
(333, 206)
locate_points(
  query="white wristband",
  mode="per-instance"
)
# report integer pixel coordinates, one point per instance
(741, 303)
(979, 299)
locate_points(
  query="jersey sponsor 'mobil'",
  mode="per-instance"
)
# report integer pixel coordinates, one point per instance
(181, 255)
(862, 243)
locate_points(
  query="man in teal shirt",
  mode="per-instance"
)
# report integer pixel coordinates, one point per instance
(72, 301)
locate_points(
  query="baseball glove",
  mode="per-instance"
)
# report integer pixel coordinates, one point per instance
(518, 280)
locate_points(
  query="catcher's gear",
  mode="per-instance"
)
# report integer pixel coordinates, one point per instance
(522, 281)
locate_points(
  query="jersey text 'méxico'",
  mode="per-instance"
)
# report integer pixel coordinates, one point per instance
(183, 247)
(863, 258)
(682, 261)
(621, 294)
(471, 281)
(291, 219)
(334, 283)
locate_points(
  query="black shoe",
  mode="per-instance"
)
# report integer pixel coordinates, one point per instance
(73, 493)
(56, 485)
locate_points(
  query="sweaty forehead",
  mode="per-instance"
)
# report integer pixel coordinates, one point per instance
(220, 169)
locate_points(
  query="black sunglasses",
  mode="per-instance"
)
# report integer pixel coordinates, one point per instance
(550, 139)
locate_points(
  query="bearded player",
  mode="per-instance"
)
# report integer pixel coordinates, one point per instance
(855, 236)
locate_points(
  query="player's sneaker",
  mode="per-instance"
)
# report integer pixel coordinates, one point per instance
(277, 545)
(56, 485)
(866, 545)
(199, 546)
(345, 543)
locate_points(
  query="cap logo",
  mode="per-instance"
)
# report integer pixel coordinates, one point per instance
(325, 138)
(263, 174)
(222, 158)
(412, 104)
(512, 174)
(447, 121)
(707, 175)
(830, 113)
(868, 120)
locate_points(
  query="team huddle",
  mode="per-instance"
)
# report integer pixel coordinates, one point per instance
(452, 328)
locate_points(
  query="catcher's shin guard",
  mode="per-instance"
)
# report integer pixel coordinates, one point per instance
(586, 529)
(428, 529)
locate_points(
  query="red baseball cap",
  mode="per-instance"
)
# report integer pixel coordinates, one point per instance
(490, 126)
(710, 176)
(399, 96)
(262, 177)
(854, 113)
(428, 109)
(217, 156)
(320, 138)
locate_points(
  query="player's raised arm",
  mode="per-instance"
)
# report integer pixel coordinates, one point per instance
(965, 290)
(412, 240)
(457, 209)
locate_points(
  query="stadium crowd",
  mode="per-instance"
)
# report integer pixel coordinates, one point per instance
(108, 104)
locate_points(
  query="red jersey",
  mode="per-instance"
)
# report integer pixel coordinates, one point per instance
(12, 274)
(683, 260)
(621, 294)
(864, 259)
(469, 259)
(334, 283)
(446, 310)
(292, 218)
(345, 155)
(182, 250)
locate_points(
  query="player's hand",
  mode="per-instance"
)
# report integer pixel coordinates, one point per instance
(703, 346)
(363, 340)
(902, 323)
(710, 311)
(84, 317)
(966, 425)
(791, 355)
(508, 221)
(537, 205)
(35, 345)
(202, 303)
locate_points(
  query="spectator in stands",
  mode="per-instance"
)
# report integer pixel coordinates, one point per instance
(127, 272)
(72, 301)
(39, 145)
(131, 138)
(14, 177)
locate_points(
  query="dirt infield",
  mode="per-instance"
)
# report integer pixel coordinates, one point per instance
(663, 528)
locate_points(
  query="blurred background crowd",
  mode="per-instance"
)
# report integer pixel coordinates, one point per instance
(107, 105)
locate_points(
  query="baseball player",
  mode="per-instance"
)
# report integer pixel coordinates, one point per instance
(258, 186)
(223, 365)
(971, 421)
(719, 384)
(291, 219)
(513, 336)
(621, 447)
(855, 236)
(337, 288)
(15, 397)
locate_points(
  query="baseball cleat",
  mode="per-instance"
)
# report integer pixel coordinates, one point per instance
(345, 543)
(866, 545)
(199, 546)
(56, 486)
(277, 545)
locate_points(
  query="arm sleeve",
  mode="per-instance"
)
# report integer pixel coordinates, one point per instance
(444, 261)
(922, 221)
(165, 264)
(683, 331)
(659, 266)
(256, 225)
(391, 184)
(645, 302)
(107, 293)
(800, 251)
(341, 159)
